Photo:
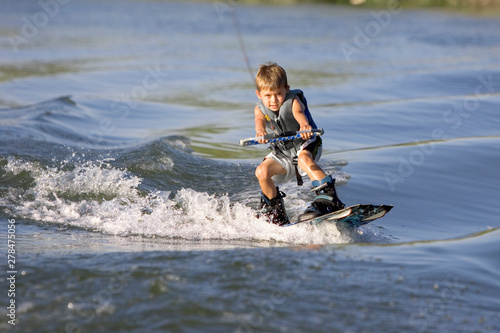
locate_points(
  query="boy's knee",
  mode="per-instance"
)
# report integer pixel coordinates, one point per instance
(305, 158)
(261, 172)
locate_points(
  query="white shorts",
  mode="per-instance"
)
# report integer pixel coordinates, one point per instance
(286, 161)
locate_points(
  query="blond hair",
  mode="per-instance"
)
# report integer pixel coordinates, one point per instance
(271, 76)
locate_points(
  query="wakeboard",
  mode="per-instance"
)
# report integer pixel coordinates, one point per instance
(355, 216)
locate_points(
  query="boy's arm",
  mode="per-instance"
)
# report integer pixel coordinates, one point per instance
(298, 113)
(260, 123)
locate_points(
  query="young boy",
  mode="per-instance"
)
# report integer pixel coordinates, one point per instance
(279, 110)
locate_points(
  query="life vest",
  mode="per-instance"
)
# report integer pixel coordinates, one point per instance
(284, 121)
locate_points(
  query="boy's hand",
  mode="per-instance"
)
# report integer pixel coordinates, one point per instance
(306, 136)
(262, 134)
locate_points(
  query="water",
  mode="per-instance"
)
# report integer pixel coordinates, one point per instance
(133, 204)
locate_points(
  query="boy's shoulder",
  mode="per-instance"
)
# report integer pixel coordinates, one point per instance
(298, 93)
(295, 92)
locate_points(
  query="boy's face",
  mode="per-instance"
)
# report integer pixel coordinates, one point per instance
(272, 99)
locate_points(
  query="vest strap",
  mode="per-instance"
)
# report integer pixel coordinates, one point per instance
(300, 182)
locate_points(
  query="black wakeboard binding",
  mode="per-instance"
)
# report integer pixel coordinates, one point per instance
(273, 209)
(326, 200)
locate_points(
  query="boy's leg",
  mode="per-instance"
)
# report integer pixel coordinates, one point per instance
(308, 165)
(326, 200)
(272, 205)
(264, 172)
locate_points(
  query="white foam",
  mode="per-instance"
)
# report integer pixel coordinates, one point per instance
(189, 215)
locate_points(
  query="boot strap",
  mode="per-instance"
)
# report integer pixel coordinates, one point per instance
(320, 187)
(324, 198)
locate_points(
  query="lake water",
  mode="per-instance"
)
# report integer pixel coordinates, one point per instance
(132, 204)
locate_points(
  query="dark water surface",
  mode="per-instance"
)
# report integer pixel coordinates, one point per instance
(134, 205)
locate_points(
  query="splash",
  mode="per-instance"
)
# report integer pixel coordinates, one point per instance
(99, 197)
